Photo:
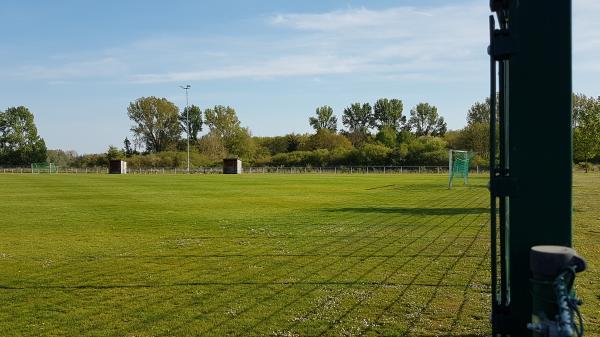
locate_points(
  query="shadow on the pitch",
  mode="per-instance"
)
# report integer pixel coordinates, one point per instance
(443, 335)
(413, 211)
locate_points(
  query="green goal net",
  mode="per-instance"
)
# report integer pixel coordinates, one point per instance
(458, 166)
(43, 168)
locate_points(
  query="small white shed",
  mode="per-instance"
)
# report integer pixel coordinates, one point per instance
(232, 166)
(117, 167)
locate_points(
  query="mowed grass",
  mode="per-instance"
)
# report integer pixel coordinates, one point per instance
(255, 255)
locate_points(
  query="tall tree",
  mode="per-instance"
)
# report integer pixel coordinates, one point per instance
(586, 136)
(325, 139)
(358, 118)
(61, 158)
(113, 153)
(195, 122)
(20, 143)
(387, 113)
(128, 149)
(294, 142)
(581, 103)
(476, 138)
(324, 119)
(211, 145)
(156, 122)
(425, 121)
(479, 112)
(223, 121)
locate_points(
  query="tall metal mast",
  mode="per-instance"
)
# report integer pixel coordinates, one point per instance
(187, 109)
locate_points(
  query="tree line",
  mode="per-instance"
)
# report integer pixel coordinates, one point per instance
(378, 134)
(366, 134)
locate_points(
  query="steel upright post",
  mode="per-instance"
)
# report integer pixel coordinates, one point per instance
(533, 49)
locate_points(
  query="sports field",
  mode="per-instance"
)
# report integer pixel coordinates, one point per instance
(256, 255)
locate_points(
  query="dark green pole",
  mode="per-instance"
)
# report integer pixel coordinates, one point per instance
(539, 151)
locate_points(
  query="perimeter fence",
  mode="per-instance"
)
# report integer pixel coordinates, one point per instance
(252, 170)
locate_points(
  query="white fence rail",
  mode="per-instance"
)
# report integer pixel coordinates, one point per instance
(255, 170)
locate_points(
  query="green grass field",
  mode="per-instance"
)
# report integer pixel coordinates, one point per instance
(256, 255)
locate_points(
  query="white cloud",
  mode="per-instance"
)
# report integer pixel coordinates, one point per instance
(401, 41)
(97, 68)
(284, 66)
(443, 43)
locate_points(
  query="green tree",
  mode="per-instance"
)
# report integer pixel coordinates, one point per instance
(20, 143)
(326, 139)
(427, 150)
(156, 123)
(240, 144)
(373, 154)
(405, 137)
(273, 145)
(211, 145)
(581, 103)
(387, 113)
(358, 118)
(476, 137)
(387, 136)
(61, 158)
(113, 153)
(324, 119)
(195, 122)
(222, 120)
(586, 136)
(294, 142)
(479, 112)
(128, 150)
(425, 121)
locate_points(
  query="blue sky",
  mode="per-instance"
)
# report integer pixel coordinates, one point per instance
(77, 64)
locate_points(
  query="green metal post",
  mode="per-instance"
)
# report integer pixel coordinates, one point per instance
(539, 151)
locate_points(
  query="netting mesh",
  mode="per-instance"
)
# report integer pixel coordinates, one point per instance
(459, 166)
(43, 168)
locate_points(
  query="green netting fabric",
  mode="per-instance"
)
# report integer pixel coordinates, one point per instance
(459, 166)
(43, 168)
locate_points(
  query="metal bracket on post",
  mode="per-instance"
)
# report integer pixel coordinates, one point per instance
(504, 185)
(498, 5)
(502, 45)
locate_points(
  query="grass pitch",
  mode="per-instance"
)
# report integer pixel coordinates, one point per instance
(255, 255)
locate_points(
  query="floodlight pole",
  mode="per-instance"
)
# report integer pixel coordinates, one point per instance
(187, 117)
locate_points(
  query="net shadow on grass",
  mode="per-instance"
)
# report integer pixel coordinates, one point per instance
(466, 289)
(439, 283)
(381, 283)
(372, 227)
(447, 335)
(377, 231)
(416, 211)
(317, 285)
(412, 282)
(436, 289)
(354, 282)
